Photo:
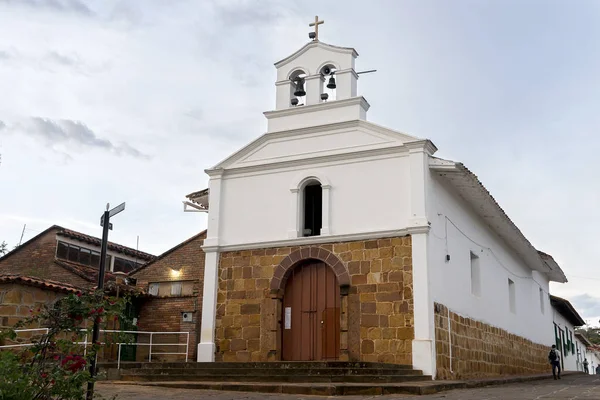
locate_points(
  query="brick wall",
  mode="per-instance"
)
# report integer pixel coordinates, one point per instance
(164, 314)
(481, 350)
(376, 314)
(36, 259)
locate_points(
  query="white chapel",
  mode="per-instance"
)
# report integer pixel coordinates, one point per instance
(333, 238)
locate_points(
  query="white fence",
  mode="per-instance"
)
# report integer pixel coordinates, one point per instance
(151, 342)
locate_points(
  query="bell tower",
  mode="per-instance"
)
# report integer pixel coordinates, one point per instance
(319, 79)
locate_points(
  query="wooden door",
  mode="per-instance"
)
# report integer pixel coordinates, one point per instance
(311, 314)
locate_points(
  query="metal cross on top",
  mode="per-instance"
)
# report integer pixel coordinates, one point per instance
(316, 25)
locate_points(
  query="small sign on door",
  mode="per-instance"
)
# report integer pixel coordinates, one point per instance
(288, 318)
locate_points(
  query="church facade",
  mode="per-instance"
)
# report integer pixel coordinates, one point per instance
(333, 238)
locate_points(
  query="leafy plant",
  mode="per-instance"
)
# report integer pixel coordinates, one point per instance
(56, 365)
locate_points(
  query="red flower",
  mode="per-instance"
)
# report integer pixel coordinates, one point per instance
(56, 357)
(44, 375)
(116, 318)
(78, 294)
(100, 310)
(73, 363)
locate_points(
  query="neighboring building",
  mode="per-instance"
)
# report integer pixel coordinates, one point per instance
(585, 349)
(59, 261)
(173, 282)
(332, 238)
(69, 257)
(19, 295)
(572, 346)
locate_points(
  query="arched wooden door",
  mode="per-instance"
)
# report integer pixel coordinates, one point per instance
(311, 314)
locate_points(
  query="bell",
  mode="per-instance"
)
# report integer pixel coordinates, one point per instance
(300, 88)
(331, 84)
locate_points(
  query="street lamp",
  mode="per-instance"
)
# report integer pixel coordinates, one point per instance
(106, 225)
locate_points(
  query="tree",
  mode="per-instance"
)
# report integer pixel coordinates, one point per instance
(3, 248)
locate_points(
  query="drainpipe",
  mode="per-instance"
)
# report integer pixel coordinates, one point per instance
(450, 339)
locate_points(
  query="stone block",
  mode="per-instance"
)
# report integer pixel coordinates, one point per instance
(357, 255)
(354, 267)
(12, 297)
(251, 332)
(369, 320)
(374, 333)
(367, 297)
(232, 333)
(388, 296)
(253, 345)
(368, 308)
(388, 333)
(367, 347)
(8, 311)
(238, 344)
(373, 277)
(27, 298)
(384, 308)
(232, 309)
(367, 289)
(250, 309)
(340, 248)
(376, 265)
(356, 245)
(358, 280)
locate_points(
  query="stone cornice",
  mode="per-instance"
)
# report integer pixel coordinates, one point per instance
(329, 105)
(319, 239)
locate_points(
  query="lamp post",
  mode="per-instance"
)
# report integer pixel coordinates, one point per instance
(106, 225)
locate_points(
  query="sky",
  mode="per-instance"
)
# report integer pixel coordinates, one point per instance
(108, 101)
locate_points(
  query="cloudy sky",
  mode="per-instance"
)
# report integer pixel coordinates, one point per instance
(111, 101)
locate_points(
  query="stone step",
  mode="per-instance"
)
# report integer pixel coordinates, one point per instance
(271, 371)
(372, 379)
(252, 365)
(318, 389)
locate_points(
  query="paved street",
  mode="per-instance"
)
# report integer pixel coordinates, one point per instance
(571, 388)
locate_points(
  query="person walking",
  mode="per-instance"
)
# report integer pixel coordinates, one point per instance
(554, 358)
(585, 366)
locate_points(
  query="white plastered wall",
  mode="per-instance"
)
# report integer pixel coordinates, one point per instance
(457, 231)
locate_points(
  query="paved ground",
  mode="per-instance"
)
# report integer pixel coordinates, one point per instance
(578, 387)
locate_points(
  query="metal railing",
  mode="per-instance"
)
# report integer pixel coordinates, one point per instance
(8, 346)
(150, 343)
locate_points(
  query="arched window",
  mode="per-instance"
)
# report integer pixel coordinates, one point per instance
(309, 205)
(312, 218)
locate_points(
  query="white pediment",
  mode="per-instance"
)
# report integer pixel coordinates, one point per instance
(314, 142)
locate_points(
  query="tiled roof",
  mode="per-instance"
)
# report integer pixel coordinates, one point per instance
(200, 198)
(97, 242)
(472, 190)
(42, 283)
(565, 308)
(84, 271)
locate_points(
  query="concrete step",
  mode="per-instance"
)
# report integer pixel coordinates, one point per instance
(372, 379)
(318, 389)
(271, 371)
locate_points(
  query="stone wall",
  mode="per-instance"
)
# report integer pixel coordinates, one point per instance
(164, 314)
(376, 307)
(16, 301)
(481, 350)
